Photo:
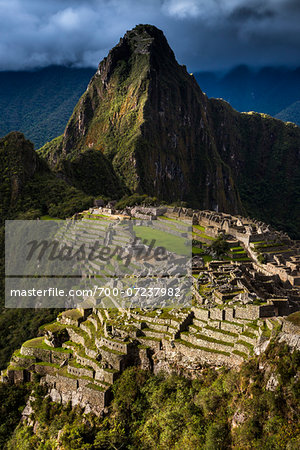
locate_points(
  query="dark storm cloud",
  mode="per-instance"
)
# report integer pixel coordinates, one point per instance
(244, 13)
(205, 34)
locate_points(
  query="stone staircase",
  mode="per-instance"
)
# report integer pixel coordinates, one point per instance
(93, 347)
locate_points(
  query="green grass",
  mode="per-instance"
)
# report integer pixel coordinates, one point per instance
(11, 367)
(253, 325)
(47, 217)
(266, 331)
(205, 236)
(248, 334)
(162, 239)
(197, 250)
(74, 363)
(37, 343)
(242, 354)
(90, 326)
(111, 370)
(95, 216)
(199, 227)
(64, 373)
(211, 339)
(52, 327)
(200, 251)
(233, 323)
(228, 333)
(294, 318)
(43, 363)
(150, 338)
(245, 344)
(18, 354)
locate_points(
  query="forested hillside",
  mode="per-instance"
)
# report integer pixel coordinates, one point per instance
(39, 103)
(269, 90)
(220, 409)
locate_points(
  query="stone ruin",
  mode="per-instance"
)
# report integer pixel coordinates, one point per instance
(237, 306)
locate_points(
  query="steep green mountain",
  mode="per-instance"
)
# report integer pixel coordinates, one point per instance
(264, 157)
(268, 90)
(291, 113)
(27, 185)
(147, 118)
(40, 102)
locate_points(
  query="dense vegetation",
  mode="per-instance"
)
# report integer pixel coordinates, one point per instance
(144, 124)
(28, 190)
(27, 187)
(12, 403)
(39, 103)
(221, 409)
(291, 113)
(270, 90)
(265, 164)
(136, 199)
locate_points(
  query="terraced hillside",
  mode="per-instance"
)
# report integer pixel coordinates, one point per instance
(238, 306)
(81, 354)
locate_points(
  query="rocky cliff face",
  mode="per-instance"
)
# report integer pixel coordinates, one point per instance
(264, 157)
(147, 115)
(159, 133)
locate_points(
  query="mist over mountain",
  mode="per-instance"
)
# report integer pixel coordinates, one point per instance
(147, 119)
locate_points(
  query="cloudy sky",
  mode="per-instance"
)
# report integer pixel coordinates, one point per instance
(204, 34)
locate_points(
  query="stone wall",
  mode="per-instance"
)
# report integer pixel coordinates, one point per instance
(44, 370)
(201, 357)
(39, 353)
(75, 337)
(114, 345)
(106, 376)
(201, 313)
(64, 390)
(217, 314)
(80, 371)
(221, 346)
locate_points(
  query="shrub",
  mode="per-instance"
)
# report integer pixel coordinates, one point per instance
(261, 258)
(136, 199)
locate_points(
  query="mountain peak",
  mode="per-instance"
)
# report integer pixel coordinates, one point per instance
(141, 40)
(145, 120)
(143, 31)
(144, 38)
